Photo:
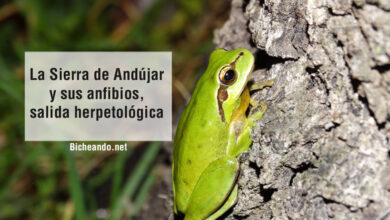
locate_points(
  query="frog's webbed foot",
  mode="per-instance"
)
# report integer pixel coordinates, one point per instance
(213, 189)
(262, 85)
(254, 113)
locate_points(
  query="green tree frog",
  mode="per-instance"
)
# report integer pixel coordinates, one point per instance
(213, 131)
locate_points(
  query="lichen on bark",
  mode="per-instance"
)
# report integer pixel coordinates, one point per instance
(321, 150)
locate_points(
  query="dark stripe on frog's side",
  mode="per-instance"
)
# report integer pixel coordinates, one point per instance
(222, 94)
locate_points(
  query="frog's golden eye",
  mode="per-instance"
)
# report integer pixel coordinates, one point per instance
(227, 75)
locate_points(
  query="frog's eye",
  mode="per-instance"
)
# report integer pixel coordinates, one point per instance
(227, 75)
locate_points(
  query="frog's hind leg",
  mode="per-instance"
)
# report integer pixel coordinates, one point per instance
(213, 189)
(232, 199)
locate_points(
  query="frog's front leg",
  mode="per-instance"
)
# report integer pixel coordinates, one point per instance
(214, 186)
(253, 116)
(240, 141)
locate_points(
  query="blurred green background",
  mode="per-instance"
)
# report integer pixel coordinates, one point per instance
(44, 180)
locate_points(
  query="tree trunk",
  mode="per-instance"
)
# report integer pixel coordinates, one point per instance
(321, 151)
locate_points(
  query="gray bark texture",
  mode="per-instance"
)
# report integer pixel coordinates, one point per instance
(321, 151)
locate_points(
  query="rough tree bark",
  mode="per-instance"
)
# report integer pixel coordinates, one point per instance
(321, 151)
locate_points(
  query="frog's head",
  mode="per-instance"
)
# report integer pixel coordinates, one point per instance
(232, 72)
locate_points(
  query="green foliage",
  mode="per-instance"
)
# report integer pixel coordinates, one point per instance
(43, 180)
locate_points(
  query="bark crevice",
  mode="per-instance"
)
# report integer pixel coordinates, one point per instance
(322, 148)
